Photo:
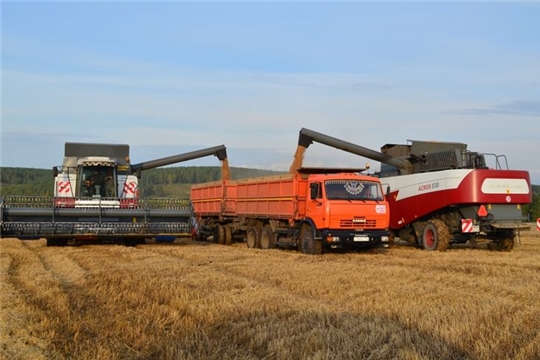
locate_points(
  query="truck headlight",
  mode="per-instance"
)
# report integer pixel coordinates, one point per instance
(331, 239)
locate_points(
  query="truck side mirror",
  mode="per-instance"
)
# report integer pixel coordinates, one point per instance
(314, 190)
(55, 171)
(388, 190)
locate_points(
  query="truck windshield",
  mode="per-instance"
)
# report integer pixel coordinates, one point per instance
(353, 190)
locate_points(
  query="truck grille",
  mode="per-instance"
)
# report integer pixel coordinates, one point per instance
(358, 223)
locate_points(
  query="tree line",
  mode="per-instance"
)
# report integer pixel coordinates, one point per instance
(164, 182)
(40, 182)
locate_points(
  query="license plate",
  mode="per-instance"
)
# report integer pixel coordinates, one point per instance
(361, 238)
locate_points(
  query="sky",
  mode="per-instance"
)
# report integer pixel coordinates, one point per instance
(172, 77)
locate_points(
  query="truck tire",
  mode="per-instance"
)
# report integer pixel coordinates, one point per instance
(228, 235)
(308, 244)
(219, 234)
(267, 238)
(435, 236)
(253, 236)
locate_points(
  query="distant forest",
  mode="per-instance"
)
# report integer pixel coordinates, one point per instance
(162, 182)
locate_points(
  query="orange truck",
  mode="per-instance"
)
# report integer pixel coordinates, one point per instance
(310, 209)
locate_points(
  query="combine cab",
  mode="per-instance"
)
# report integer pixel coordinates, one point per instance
(96, 197)
(442, 194)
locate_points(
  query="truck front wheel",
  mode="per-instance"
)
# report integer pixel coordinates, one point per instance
(435, 236)
(308, 244)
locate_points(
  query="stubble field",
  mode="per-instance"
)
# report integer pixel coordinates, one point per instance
(190, 300)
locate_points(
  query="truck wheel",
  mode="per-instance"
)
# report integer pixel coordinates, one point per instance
(219, 234)
(253, 237)
(308, 244)
(436, 236)
(228, 235)
(267, 238)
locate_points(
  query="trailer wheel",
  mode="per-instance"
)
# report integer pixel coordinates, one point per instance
(308, 244)
(435, 236)
(267, 238)
(219, 234)
(253, 237)
(228, 235)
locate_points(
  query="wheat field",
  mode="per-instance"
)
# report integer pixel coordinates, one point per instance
(191, 300)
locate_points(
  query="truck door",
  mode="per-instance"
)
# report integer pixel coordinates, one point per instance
(315, 208)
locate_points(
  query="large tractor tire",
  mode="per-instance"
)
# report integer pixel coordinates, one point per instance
(505, 243)
(308, 244)
(268, 238)
(435, 236)
(253, 237)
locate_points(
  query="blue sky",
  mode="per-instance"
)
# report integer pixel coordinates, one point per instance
(172, 77)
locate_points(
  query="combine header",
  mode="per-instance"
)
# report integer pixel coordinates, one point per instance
(441, 193)
(96, 197)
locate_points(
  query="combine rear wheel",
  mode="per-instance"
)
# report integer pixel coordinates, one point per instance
(435, 236)
(505, 243)
(268, 238)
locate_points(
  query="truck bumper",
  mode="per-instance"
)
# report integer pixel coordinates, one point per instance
(342, 239)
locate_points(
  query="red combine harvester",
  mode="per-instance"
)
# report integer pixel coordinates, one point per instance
(441, 193)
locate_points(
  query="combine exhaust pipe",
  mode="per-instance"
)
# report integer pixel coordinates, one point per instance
(307, 137)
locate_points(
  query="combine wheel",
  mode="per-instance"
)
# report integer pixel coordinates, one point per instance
(435, 236)
(268, 238)
(219, 234)
(253, 237)
(505, 243)
(308, 244)
(57, 242)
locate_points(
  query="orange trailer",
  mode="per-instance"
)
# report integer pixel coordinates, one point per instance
(311, 210)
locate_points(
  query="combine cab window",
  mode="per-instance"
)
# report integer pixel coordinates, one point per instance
(98, 181)
(353, 190)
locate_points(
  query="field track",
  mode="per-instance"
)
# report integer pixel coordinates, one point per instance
(191, 300)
